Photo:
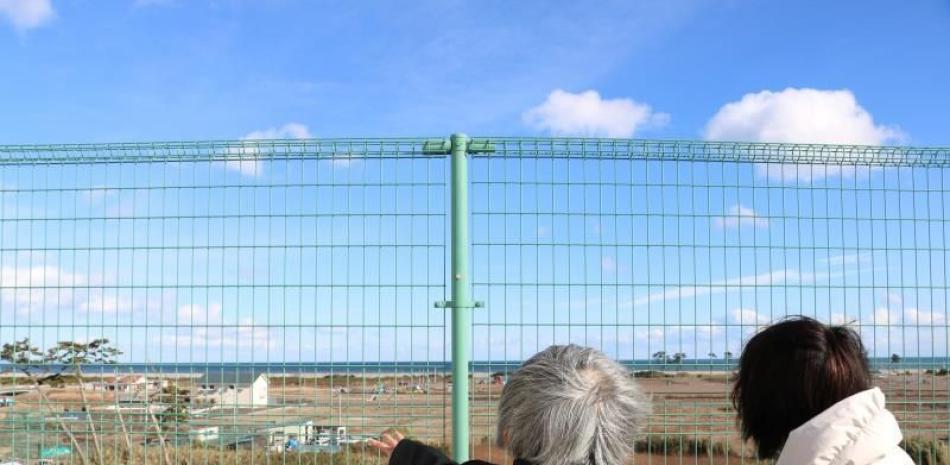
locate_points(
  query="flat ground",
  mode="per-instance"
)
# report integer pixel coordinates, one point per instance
(687, 407)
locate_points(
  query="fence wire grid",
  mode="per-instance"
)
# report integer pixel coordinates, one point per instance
(273, 301)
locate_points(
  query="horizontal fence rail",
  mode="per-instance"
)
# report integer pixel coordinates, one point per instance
(348, 149)
(282, 301)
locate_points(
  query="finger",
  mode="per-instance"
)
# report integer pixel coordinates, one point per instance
(375, 444)
(388, 440)
(398, 436)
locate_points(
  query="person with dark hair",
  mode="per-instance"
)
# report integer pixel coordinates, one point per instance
(803, 393)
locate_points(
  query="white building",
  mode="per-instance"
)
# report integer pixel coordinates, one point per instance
(276, 436)
(133, 383)
(306, 434)
(204, 434)
(247, 390)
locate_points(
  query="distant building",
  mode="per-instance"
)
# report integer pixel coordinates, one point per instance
(67, 415)
(8, 396)
(133, 397)
(204, 434)
(133, 383)
(304, 436)
(124, 383)
(234, 389)
(330, 435)
(276, 436)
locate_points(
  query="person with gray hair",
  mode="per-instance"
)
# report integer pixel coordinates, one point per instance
(566, 405)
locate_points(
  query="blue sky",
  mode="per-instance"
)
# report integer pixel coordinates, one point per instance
(84, 71)
(168, 70)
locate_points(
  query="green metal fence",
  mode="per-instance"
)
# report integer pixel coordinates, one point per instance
(283, 300)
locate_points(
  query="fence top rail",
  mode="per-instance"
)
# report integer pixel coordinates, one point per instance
(511, 147)
(211, 150)
(714, 151)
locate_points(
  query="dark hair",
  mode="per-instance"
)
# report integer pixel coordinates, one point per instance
(792, 371)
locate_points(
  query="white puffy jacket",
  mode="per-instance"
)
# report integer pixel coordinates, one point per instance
(856, 431)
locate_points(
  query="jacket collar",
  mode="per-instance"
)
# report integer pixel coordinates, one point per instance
(856, 429)
(522, 462)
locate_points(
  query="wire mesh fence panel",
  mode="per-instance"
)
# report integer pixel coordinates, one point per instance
(220, 302)
(669, 255)
(262, 301)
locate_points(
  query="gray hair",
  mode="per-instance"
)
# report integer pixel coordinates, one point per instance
(571, 405)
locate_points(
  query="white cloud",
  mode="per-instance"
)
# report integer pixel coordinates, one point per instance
(287, 131)
(586, 114)
(245, 335)
(791, 172)
(741, 283)
(740, 216)
(38, 276)
(248, 333)
(894, 312)
(345, 159)
(717, 287)
(221, 332)
(799, 115)
(884, 316)
(107, 304)
(29, 289)
(27, 14)
(197, 314)
(708, 331)
(893, 299)
(249, 163)
(649, 334)
(45, 287)
(917, 316)
(747, 316)
(810, 116)
(39, 287)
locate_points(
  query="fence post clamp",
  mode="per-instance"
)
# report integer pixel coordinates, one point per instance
(451, 304)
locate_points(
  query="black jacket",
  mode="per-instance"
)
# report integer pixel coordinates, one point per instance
(409, 452)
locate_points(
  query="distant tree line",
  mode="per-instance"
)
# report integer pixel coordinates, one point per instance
(665, 357)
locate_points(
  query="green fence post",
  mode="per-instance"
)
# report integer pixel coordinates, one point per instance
(461, 298)
(458, 146)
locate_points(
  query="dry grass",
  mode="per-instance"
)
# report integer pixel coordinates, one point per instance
(923, 451)
(927, 451)
(209, 456)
